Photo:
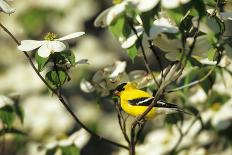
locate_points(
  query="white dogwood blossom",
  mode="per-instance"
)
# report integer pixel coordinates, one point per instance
(4, 7)
(49, 45)
(107, 16)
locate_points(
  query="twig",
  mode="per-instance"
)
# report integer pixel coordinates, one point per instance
(145, 60)
(157, 57)
(141, 127)
(60, 97)
(122, 123)
(192, 83)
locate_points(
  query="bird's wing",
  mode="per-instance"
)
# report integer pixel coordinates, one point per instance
(146, 101)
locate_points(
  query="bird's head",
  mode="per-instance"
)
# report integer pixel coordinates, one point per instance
(122, 87)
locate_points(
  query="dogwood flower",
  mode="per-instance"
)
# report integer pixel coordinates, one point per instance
(109, 15)
(173, 3)
(49, 45)
(4, 7)
(161, 25)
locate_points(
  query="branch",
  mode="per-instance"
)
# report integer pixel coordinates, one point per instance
(145, 60)
(157, 57)
(59, 96)
(192, 83)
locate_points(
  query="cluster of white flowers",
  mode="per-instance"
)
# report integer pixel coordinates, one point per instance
(4, 7)
(110, 14)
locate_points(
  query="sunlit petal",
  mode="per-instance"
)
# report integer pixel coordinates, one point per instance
(146, 5)
(29, 45)
(71, 36)
(130, 41)
(56, 46)
(4, 7)
(44, 51)
(162, 25)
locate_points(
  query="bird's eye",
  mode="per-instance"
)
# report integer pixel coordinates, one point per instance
(120, 87)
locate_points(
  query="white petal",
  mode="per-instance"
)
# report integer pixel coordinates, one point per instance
(71, 36)
(86, 86)
(107, 16)
(168, 45)
(4, 7)
(4, 100)
(29, 45)
(56, 46)
(114, 12)
(226, 15)
(49, 47)
(100, 21)
(81, 138)
(146, 5)
(44, 51)
(119, 68)
(170, 4)
(201, 46)
(162, 25)
(130, 41)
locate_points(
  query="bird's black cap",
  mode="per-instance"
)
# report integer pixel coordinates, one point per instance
(120, 87)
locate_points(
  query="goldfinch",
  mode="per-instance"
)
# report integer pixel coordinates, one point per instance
(134, 101)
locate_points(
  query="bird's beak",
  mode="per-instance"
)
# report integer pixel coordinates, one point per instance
(116, 93)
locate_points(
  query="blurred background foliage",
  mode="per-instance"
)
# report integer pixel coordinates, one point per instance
(35, 123)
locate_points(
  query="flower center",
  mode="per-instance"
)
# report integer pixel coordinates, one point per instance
(117, 1)
(50, 36)
(216, 106)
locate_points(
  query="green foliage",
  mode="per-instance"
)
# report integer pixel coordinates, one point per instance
(12, 130)
(132, 52)
(120, 28)
(56, 77)
(51, 151)
(65, 150)
(35, 20)
(216, 97)
(70, 150)
(7, 115)
(41, 62)
(200, 73)
(174, 118)
(148, 19)
(69, 55)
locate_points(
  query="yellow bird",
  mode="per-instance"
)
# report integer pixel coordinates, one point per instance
(134, 102)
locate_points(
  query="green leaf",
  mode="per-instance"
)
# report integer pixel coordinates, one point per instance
(208, 83)
(69, 55)
(70, 150)
(56, 78)
(176, 15)
(19, 112)
(148, 18)
(12, 131)
(51, 151)
(120, 28)
(41, 62)
(35, 20)
(132, 52)
(199, 73)
(7, 115)
(200, 7)
(194, 62)
(212, 54)
(171, 119)
(193, 110)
